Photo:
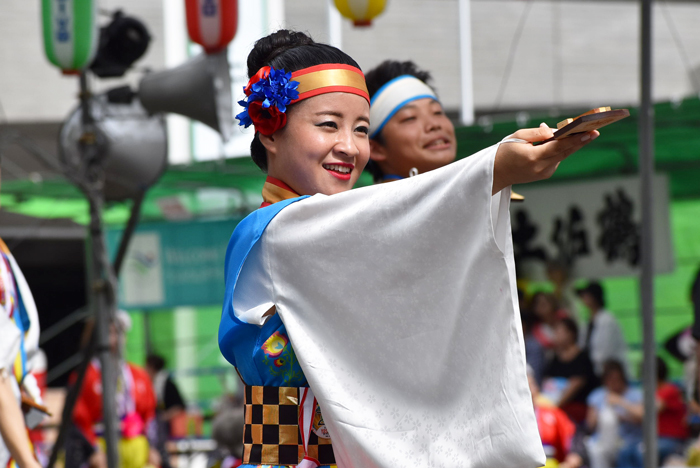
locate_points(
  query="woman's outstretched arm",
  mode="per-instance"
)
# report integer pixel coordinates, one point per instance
(520, 163)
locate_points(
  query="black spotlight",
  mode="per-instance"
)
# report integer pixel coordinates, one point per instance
(122, 42)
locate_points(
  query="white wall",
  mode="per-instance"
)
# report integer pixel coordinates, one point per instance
(33, 90)
(570, 53)
(597, 50)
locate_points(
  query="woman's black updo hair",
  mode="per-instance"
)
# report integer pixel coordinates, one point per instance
(378, 77)
(292, 51)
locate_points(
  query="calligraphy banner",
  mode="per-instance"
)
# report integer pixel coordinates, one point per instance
(592, 227)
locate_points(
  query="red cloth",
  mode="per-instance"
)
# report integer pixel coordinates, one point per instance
(88, 408)
(556, 430)
(672, 418)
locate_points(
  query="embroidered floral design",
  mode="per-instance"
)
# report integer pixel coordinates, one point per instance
(275, 344)
(280, 359)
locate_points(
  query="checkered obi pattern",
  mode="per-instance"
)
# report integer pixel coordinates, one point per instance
(275, 423)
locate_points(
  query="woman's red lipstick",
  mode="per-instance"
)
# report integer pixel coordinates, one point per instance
(342, 171)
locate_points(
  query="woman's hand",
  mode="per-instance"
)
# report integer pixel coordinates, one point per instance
(519, 163)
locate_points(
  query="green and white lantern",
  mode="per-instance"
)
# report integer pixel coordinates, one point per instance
(70, 32)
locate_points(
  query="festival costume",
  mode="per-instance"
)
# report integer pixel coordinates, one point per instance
(397, 305)
(19, 333)
(283, 421)
(136, 406)
(413, 357)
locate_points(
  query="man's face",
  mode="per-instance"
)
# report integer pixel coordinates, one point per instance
(418, 136)
(589, 301)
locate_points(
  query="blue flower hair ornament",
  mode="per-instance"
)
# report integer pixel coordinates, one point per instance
(268, 94)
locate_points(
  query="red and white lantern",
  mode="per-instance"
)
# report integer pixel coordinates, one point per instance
(212, 23)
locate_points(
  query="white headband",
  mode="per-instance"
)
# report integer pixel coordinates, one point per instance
(391, 97)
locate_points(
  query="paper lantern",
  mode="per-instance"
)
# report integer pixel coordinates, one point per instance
(212, 23)
(361, 12)
(70, 32)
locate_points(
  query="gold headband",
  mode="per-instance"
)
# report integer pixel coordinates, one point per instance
(330, 78)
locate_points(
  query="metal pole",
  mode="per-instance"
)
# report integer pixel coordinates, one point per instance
(102, 286)
(335, 25)
(128, 232)
(646, 172)
(102, 289)
(466, 114)
(71, 399)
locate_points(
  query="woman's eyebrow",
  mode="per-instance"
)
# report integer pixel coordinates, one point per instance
(340, 115)
(330, 112)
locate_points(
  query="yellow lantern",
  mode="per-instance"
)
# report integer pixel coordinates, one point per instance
(361, 12)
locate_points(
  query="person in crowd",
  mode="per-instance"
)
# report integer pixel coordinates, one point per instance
(546, 308)
(557, 431)
(603, 339)
(135, 405)
(682, 346)
(19, 335)
(534, 352)
(695, 300)
(615, 413)
(672, 414)
(227, 431)
(310, 295)
(168, 397)
(169, 402)
(694, 364)
(569, 376)
(559, 275)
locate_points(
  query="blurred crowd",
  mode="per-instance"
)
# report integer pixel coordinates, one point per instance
(152, 415)
(589, 408)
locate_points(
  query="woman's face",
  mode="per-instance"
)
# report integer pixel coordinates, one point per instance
(419, 135)
(562, 336)
(324, 147)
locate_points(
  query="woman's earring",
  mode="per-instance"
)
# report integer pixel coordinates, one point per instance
(413, 172)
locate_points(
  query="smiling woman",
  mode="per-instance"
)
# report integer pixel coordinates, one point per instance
(324, 146)
(325, 310)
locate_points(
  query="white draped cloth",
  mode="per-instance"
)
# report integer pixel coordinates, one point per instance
(400, 302)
